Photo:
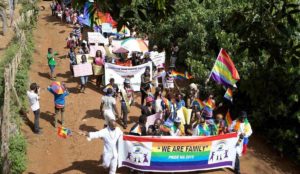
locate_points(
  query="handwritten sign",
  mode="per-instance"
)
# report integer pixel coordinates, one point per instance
(82, 70)
(95, 37)
(158, 58)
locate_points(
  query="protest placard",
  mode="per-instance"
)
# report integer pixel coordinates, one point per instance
(82, 70)
(158, 58)
(151, 119)
(95, 37)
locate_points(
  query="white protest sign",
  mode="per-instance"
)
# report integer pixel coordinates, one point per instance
(106, 28)
(119, 73)
(82, 70)
(158, 58)
(95, 37)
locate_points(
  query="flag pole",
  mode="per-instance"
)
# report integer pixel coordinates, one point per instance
(207, 80)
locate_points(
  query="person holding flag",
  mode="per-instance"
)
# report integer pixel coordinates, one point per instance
(243, 128)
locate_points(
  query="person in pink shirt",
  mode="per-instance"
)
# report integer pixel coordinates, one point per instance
(99, 61)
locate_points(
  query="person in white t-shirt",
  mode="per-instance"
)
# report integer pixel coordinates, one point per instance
(108, 106)
(33, 96)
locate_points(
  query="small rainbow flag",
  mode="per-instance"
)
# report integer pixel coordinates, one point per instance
(63, 132)
(228, 94)
(197, 102)
(180, 75)
(166, 103)
(228, 119)
(224, 71)
(209, 107)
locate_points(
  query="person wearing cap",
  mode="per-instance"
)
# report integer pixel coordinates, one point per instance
(149, 108)
(193, 93)
(127, 99)
(108, 106)
(177, 129)
(244, 130)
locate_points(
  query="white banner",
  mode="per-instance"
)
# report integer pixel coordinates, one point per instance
(158, 58)
(82, 70)
(177, 154)
(119, 73)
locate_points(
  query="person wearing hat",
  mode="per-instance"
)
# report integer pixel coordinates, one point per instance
(244, 130)
(177, 129)
(108, 107)
(193, 94)
(127, 99)
(149, 108)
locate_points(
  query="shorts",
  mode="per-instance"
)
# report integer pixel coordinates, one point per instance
(60, 108)
(108, 115)
(52, 67)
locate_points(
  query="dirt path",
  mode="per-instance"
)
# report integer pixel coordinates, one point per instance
(47, 153)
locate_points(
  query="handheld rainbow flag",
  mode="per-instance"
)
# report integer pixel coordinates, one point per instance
(209, 107)
(197, 102)
(63, 132)
(179, 75)
(228, 94)
(228, 119)
(224, 71)
(166, 103)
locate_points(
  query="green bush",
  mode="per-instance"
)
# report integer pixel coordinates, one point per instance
(17, 153)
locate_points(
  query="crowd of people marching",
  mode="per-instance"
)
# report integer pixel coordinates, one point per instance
(159, 94)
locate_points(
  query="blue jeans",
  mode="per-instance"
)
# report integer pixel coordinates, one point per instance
(84, 79)
(52, 67)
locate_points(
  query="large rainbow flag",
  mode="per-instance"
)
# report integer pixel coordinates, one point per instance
(224, 71)
(173, 154)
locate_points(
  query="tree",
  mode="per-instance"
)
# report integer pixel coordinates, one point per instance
(3, 17)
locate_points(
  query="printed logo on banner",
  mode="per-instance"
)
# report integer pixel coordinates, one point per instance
(219, 152)
(139, 154)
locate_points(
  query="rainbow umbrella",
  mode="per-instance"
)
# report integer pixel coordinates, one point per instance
(132, 44)
(124, 30)
(120, 50)
(57, 87)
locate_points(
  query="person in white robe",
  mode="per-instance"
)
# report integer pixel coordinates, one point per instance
(111, 136)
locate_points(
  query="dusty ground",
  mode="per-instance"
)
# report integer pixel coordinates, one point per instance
(47, 153)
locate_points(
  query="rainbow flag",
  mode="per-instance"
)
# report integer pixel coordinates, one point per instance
(166, 103)
(228, 119)
(63, 132)
(224, 71)
(179, 75)
(209, 107)
(228, 94)
(173, 154)
(197, 102)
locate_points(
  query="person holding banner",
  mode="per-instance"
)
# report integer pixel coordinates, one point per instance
(108, 106)
(127, 99)
(83, 79)
(98, 65)
(111, 136)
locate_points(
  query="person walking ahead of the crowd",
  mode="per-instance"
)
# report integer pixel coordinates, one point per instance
(110, 135)
(127, 100)
(108, 106)
(33, 96)
(51, 62)
(59, 102)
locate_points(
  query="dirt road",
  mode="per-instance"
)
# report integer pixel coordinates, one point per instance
(47, 153)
